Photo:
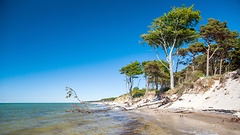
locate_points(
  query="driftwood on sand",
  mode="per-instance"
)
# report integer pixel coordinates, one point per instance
(143, 102)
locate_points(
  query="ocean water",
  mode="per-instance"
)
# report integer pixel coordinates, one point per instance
(52, 118)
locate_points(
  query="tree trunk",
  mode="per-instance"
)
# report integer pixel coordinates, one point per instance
(171, 71)
(193, 59)
(156, 82)
(177, 65)
(220, 70)
(147, 83)
(130, 86)
(208, 50)
(215, 70)
(193, 68)
(212, 67)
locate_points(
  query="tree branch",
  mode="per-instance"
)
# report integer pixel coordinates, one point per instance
(70, 90)
(161, 60)
(213, 52)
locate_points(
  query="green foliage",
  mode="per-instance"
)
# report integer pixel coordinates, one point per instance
(200, 63)
(132, 70)
(213, 31)
(171, 31)
(235, 56)
(187, 77)
(187, 56)
(108, 99)
(198, 74)
(196, 48)
(156, 72)
(164, 89)
(138, 92)
(220, 53)
(220, 41)
(173, 28)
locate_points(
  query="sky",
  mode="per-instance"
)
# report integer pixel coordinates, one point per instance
(46, 45)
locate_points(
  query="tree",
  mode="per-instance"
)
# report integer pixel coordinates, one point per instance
(156, 73)
(146, 76)
(171, 31)
(200, 63)
(194, 49)
(181, 53)
(234, 55)
(72, 93)
(131, 72)
(213, 32)
(226, 43)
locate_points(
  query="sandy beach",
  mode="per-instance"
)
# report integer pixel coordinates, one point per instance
(196, 111)
(172, 121)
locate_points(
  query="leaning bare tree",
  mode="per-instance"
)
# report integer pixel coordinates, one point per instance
(82, 109)
(72, 93)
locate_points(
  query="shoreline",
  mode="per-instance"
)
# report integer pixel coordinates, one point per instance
(163, 121)
(178, 121)
(207, 108)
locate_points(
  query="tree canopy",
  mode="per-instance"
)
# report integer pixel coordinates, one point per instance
(216, 36)
(131, 72)
(171, 31)
(217, 53)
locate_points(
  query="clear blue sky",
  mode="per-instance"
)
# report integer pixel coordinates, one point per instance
(46, 45)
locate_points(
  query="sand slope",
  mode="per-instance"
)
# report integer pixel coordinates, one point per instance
(225, 95)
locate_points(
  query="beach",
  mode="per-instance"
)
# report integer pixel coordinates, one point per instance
(172, 121)
(51, 119)
(212, 112)
(199, 110)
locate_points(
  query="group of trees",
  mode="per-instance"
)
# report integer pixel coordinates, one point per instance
(213, 50)
(154, 72)
(217, 54)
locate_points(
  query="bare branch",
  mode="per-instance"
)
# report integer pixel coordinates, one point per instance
(70, 91)
(161, 60)
(213, 52)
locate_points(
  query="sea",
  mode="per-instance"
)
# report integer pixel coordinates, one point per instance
(59, 119)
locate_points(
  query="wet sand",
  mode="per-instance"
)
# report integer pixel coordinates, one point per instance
(171, 121)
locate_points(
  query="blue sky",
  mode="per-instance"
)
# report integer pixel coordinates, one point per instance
(46, 45)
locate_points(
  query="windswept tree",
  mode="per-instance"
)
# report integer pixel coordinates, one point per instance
(181, 54)
(226, 43)
(213, 32)
(200, 63)
(131, 72)
(171, 31)
(235, 56)
(193, 50)
(72, 93)
(156, 73)
(145, 75)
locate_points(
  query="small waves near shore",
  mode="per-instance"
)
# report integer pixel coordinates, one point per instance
(51, 119)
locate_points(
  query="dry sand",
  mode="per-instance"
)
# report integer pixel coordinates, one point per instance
(219, 96)
(172, 121)
(185, 115)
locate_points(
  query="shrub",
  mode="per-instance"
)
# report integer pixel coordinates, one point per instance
(138, 93)
(164, 89)
(108, 99)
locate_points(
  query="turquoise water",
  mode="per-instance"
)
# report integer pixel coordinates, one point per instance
(52, 118)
